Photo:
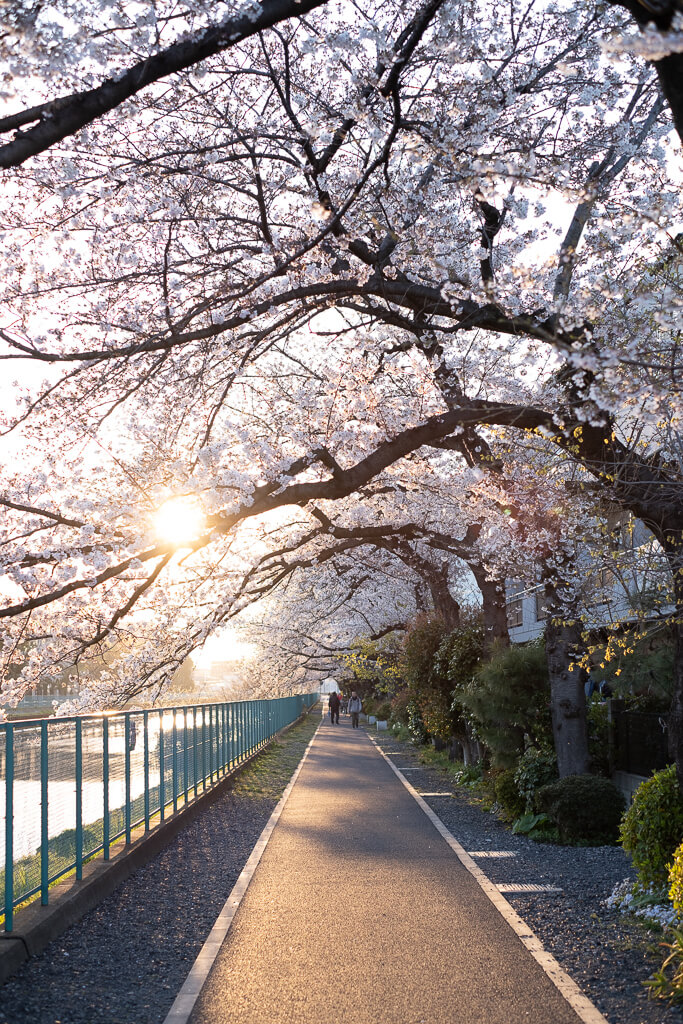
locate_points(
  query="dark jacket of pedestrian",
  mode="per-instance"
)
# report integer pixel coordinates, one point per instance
(334, 703)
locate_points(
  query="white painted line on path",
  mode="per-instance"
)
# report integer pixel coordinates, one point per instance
(526, 887)
(585, 1010)
(184, 1002)
(492, 853)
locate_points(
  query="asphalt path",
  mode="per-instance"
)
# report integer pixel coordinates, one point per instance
(360, 913)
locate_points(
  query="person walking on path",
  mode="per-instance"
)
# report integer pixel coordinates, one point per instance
(334, 708)
(355, 708)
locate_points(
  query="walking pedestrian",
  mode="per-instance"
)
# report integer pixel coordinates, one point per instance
(334, 708)
(355, 708)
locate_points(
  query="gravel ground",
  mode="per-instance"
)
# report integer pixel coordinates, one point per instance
(607, 954)
(125, 961)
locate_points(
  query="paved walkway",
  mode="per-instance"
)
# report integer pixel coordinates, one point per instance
(360, 913)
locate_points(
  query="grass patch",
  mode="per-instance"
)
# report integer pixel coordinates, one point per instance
(267, 776)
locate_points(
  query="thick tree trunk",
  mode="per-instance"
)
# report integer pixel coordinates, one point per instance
(445, 605)
(563, 643)
(676, 710)
(493, 608)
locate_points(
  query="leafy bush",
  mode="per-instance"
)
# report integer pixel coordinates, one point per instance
(400, 731)
(585, 808)
(416, 726)
(676, 880)
(421, 643)
(652, 828)
(528, 823)
(460, 652)
(667, 982)
(383, 711)
(369, 705)
(399, 707)
(507, 793)
(536, 768)
(509, 698)
(470, 775)
(429, 709)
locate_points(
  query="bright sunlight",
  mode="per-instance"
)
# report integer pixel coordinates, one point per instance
(179, 520)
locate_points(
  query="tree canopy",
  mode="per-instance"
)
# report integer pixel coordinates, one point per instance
(355, 293)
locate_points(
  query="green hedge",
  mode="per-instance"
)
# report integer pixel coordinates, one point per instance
(585, 808)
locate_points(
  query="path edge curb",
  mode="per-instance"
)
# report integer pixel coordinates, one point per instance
(184, 1002)
(586, 1010)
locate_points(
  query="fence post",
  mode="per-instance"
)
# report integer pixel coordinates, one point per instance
(44, 852)
(105, 787)
(79, 799)
(186, 770)
(195, 752)
(9, 826)
(174, 737)
(203, 749)
(145, 749)
(243, 729)
(210, 744)
(162, 769)
(127, 741)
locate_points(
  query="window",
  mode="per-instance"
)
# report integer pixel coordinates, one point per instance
(514, 605)
(541, 607)
(604, 585)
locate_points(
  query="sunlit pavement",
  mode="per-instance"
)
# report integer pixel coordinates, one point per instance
(360, 912)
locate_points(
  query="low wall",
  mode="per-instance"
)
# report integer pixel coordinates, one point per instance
(627, 783)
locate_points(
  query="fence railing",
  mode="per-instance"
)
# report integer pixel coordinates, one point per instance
(71, 787)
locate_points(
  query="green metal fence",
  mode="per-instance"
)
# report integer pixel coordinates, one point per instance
(70, 787)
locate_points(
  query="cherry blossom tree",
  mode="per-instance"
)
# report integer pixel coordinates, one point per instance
(291, 266)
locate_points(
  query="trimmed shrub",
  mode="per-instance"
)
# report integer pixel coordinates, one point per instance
(383, 711)
(585, 808)
(507, 793)
(536, 768)
(652, 828)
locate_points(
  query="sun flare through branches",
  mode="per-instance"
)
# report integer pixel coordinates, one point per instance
(179, 521)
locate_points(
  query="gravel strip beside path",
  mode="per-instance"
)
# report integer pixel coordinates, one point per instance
(607, 955)
(124, 962)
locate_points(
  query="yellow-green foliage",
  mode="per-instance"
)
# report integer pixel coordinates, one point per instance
(376, 662)
(667, 982)
(652, 828)
(676, 880)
